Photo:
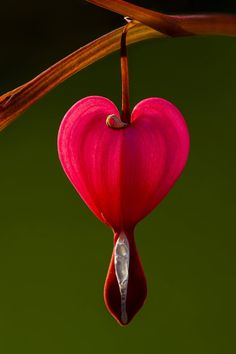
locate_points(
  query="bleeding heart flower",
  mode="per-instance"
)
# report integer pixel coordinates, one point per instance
(122, 175)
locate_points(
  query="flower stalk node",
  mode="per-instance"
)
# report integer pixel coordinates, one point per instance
(115, 122)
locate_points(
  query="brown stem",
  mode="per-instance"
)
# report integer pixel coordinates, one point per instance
(154, 19)
(125, 115)
(174, 26)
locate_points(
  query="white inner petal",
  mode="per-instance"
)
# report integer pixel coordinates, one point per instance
(121, 260)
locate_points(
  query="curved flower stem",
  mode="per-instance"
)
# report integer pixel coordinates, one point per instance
(174, 26)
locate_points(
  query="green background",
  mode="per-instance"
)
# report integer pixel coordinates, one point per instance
(54, 253)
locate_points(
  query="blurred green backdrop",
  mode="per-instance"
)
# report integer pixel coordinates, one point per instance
(54, 253)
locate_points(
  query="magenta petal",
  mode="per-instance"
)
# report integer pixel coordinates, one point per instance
(123, 174)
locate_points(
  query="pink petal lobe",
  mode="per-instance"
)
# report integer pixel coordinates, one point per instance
(85, 147)
(164, 147)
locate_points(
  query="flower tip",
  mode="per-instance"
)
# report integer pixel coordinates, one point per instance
(125, 288)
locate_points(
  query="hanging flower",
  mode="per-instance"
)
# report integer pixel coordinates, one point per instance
(122, 175)
(122, 167)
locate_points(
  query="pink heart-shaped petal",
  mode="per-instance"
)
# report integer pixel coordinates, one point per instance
(123, 174)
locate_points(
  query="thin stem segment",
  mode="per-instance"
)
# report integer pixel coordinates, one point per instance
(125, 115)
